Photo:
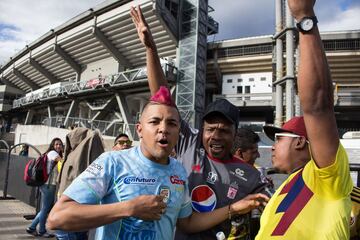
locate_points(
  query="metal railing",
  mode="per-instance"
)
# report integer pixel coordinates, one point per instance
(342, 44)
(246, 50)
(108, 128)
(252, 99)
(102, 82)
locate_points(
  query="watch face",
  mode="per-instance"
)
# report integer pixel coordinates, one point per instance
(307, 24)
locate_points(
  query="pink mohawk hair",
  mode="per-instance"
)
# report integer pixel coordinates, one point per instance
(163, 96)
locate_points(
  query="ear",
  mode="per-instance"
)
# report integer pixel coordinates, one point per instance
(300, 143)
(139, 129)
(238, 153)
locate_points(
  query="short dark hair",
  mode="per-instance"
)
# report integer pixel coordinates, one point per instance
(121, 135)
(245, 139)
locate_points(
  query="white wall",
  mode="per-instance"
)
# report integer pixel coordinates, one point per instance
(104, 67)
(262, 83)
(38, 134)
(41, 136)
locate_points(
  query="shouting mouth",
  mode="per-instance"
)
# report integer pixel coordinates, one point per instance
(163, 143)
(216, 148)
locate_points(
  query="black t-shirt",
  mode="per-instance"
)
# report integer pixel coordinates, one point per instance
(214, 184)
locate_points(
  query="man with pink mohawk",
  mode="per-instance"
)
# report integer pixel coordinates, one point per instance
(216, 178)
(139, 193)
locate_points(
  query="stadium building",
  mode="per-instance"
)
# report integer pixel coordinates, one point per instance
(91, 70)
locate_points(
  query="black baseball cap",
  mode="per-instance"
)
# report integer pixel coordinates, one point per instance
(225, 108)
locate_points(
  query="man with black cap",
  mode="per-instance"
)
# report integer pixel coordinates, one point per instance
(216, 178)
(314, 202)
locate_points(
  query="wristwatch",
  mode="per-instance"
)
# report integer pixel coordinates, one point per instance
(306, 24)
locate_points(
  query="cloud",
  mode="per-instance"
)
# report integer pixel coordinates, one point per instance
(22, 21)
(243, 18)
(346, 20)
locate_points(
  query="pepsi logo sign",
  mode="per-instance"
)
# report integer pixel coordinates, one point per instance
(203, 199)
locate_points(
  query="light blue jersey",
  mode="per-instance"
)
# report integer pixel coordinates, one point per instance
(123, 175)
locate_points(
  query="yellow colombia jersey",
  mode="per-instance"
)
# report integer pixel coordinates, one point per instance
(312, 204)
(355, 213)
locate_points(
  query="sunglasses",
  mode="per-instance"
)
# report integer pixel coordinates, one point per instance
(123, 142)
(277, 135)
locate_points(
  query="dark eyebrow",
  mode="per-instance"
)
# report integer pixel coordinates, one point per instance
(173, 120)
(154, 118)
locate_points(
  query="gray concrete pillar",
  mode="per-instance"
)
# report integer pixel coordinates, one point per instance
(289, 65)
(279, 66)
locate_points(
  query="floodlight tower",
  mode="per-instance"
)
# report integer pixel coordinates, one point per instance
(195, 26)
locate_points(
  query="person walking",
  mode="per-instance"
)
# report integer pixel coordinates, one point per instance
(54, 154)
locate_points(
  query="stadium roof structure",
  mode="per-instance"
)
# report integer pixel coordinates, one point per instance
(255, 54)
(99, 33)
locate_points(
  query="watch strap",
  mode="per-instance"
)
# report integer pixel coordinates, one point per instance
(298, 24)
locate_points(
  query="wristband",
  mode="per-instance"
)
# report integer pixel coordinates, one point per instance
(229, 212)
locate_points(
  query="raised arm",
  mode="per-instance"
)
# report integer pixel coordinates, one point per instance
(69, 215)
(315, 89)
(154, 71)
(198, 222)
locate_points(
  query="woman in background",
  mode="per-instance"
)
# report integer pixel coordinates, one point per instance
(54, 154)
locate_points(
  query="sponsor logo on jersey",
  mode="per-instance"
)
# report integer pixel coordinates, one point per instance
(94, 169)
(203, 199)
(232, 192)
(139, 180)
(212, 177)
(176, 180)
(239, 173)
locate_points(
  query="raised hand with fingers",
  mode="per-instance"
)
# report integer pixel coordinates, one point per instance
(148, 207)
(249, 203)
(142, 28)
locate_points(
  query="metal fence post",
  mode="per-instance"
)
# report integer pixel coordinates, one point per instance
(6, 169)
(6, 181)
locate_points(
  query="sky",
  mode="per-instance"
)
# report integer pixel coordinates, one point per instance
(23, 21)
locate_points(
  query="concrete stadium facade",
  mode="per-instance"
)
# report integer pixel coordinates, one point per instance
(91, 71)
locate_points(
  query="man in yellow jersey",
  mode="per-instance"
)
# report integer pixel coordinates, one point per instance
(314, 202)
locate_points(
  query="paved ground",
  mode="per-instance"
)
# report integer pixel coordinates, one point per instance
(12, 221)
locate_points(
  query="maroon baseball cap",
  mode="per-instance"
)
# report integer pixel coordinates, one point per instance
(295, 125)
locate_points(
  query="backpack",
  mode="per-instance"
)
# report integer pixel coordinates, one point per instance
(35, 173)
